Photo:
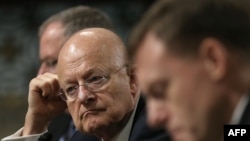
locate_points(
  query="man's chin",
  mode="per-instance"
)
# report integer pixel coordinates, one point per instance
(182, 136)
(91, 125)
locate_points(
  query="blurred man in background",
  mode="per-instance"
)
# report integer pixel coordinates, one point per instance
(197, 76)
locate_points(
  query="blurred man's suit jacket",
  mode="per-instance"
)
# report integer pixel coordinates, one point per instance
(245, 119)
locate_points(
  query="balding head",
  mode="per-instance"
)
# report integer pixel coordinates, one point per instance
(96, 43)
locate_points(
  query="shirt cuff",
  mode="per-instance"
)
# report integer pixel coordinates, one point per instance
(17, 136)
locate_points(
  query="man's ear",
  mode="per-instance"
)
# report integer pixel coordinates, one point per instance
(214, 57)
(133, 81)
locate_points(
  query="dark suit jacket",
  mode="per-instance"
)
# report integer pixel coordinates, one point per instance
(140, 131)
(60, 125)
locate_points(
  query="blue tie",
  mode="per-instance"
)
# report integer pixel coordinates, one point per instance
(71, 130)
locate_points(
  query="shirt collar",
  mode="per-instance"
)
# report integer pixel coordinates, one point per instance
(239, 110)
(125, 132)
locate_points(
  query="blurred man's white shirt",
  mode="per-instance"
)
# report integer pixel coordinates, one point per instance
(239, 110)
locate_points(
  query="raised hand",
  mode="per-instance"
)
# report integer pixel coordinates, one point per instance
(44, 103)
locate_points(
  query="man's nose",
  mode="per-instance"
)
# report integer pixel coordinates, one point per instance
(85, 96)
(157, 114)
(43, 69)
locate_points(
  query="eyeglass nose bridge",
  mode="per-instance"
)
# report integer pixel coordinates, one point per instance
(86, 90)
(87, 86)
(63, 95)
(83, 93)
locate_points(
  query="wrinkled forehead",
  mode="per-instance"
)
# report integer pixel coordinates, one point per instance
(86, 54)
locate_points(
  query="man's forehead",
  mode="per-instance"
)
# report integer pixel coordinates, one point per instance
(84, 69)
(78, 54)
(53, 29)
(87, 41)
(151, 51)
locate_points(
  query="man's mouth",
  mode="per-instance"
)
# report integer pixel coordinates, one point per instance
(90, 112)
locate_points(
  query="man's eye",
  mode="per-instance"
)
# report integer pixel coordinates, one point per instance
(95, 79)
(71, 90)
(158, 89)
(51, 63)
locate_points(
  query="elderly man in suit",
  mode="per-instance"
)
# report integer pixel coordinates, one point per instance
(97, 84)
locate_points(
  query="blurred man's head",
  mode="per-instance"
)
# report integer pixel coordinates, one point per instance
(55, 31)
(96, 81)
(192, 62)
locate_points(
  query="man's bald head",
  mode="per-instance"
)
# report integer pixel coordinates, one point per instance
(97, 43)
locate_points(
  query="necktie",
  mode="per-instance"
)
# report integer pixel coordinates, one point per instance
(71, 130)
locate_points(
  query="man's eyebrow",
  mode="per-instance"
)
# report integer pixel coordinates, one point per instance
(47, 59)
(87, 73)
(93, 70)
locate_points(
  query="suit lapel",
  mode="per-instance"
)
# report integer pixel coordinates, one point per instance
(246, 115)
(140, 130)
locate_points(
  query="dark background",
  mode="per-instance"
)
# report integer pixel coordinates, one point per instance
(19, 22)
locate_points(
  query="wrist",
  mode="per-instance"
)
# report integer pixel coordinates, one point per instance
(34, 124)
